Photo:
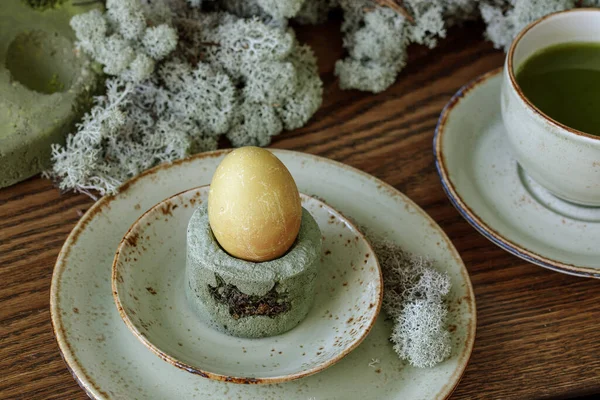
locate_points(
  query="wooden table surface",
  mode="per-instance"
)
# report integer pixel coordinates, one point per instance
(537, 332)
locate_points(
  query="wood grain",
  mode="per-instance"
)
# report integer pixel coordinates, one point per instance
(537, 334)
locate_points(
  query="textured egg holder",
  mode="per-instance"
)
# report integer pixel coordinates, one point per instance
(342, 278)
(250, 299)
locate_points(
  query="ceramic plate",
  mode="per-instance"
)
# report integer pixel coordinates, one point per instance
(487, 186)
(149, 279)
(110, 363)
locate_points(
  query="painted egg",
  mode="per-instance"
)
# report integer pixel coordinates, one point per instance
(254, 206)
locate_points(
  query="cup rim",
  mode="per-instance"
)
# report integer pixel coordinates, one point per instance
(515, 85)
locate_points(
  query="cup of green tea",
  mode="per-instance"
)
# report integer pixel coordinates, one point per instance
(551, 103)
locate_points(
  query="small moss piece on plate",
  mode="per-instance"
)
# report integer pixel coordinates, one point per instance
(414, 293)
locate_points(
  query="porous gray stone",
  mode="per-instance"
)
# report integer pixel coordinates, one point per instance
(216, 281)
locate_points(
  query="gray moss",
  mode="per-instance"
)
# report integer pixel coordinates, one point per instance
(249, 299)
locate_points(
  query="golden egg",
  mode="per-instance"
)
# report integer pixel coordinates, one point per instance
(253, 205)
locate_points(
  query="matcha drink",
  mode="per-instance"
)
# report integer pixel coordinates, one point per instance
(563, 81)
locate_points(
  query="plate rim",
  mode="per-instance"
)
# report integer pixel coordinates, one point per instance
(467, 213)
(240, 379)
(95, 392)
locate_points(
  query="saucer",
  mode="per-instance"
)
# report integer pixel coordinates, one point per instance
(491, 191)
(110, 363)
(148, 283)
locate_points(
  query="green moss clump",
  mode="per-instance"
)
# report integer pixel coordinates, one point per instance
(43, 4)
(243, 305)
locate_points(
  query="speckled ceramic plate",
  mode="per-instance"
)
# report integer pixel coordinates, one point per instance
(110, 363)
(491, 191)
(148, 285)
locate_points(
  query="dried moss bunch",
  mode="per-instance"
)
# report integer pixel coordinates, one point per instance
(183, 73)
(414, 293)
(378, 32)
(180, 77)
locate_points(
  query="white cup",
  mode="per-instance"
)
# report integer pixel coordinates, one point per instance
(562, 159)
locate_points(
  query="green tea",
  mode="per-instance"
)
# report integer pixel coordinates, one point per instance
(563, 81)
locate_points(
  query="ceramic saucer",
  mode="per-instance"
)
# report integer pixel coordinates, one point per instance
(110, 363)
(149, 277)
(491, 191)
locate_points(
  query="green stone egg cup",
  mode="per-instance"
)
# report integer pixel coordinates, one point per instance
(249, 299)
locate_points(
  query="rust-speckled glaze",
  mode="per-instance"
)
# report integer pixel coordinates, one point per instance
(148, 279)
(484, 182)
(110, 363)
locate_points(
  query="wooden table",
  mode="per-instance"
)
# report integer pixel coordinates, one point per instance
(537, 332)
